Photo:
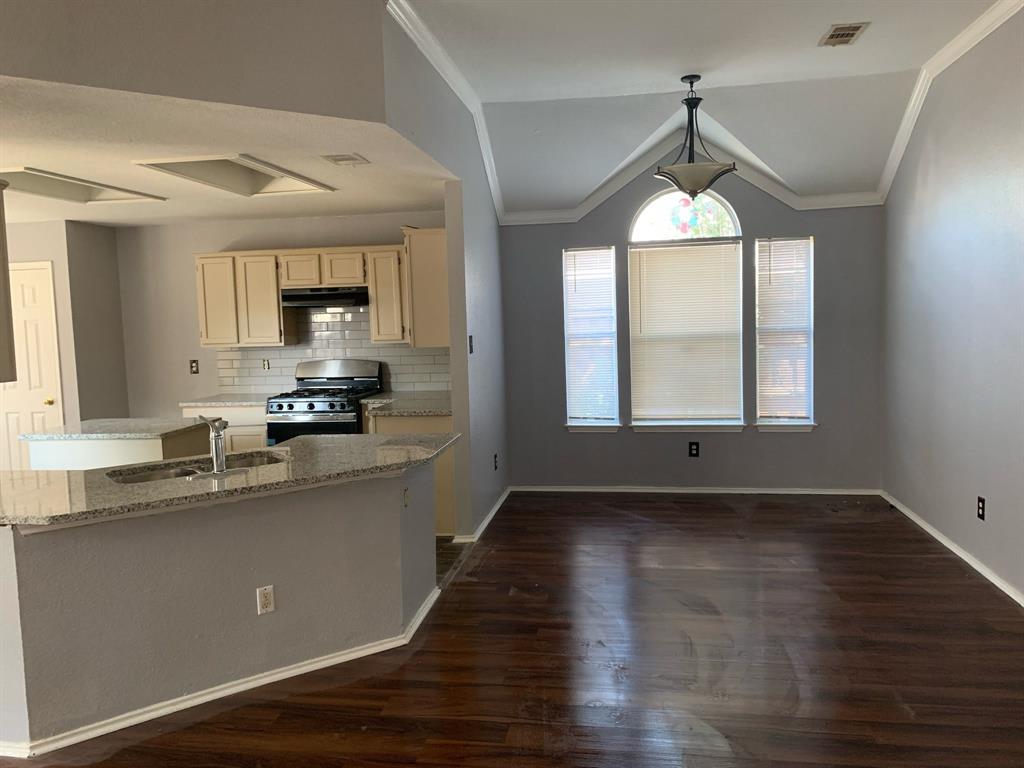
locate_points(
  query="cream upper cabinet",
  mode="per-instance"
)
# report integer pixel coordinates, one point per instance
(259, 301)
(215, 292)
(299, 270)
(343, 267)
(425, 275)
(385, 284)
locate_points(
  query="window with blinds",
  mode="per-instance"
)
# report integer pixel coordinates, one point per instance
(785, 330)
(685, 323)
(591, 367)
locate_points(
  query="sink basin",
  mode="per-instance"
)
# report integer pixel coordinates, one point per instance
(154, 475)
(235, 463)
(246, 460)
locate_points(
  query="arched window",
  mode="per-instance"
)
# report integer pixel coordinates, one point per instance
(672, 215)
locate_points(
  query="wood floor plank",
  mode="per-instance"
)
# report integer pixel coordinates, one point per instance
(652, 631)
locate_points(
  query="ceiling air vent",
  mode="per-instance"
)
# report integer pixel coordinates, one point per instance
(843, 34)
(353, 158)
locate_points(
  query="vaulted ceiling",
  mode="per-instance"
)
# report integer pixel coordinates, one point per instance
(570, 95)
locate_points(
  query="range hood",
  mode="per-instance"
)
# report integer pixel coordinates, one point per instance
(325, 297)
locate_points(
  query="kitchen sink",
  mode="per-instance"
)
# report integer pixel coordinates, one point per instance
(153, 475)
(200, 470)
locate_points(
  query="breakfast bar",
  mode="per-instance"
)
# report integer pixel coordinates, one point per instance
(170, 576)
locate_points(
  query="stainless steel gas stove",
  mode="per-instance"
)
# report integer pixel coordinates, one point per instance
(325, 401)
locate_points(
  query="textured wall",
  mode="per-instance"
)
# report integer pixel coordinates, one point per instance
(954, 350)
(842, 452)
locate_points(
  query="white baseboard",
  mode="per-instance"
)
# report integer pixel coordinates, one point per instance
(66, 739)
(1005, 586)
(693, 489)
(475, 535)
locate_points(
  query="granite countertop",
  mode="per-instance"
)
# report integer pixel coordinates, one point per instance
(81, 496)
(116, 429)
(229, 400)
(410, 403)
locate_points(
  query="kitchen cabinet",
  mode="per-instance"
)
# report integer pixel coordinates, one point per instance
(425, 287)
(245, 438)
(444, 465)
(385, 283)
(215, 289)
(343, 268)
(260, 322)
(299, 270)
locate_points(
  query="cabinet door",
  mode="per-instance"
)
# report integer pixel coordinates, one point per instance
(385, 296)
(246, 438)
(259, 301)
(427, 270)
(345, 268)
(299, 270)
(215, 293)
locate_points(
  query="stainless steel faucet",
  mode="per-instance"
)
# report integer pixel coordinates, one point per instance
(217, 427)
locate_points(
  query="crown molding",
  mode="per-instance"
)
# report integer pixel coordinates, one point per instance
(651, 150)
(403, 13)
(972, 34)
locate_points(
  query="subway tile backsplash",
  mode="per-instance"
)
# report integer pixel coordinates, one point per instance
(334, 334)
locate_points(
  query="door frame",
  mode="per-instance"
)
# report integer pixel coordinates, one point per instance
(24, 266)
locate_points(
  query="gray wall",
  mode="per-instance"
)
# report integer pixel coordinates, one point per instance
(158, 292)
(96, 317)
(842, 452)
(954, 352)
(172, 610)
(316, 56)
(421, 106)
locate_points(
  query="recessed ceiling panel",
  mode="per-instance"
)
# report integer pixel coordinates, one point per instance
(243, 175)
(43, 183)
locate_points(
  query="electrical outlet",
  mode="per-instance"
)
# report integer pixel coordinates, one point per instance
(193, 367)
(266, 364)
(471, 344)
(981, 507)
(694, 450)
(495, 462)
(265, 599)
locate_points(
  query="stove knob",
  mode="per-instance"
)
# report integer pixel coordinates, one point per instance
(332, 406)
(279, 407)
(290, 406)
(310, 406)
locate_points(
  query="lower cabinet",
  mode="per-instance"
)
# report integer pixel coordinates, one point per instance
(245, 438)
(444, 466)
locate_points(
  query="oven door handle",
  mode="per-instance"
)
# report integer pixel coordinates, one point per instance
(299, 418)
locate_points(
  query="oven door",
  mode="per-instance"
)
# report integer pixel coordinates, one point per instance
(286, 427)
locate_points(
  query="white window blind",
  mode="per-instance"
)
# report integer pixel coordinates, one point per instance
(591, 367)
(785, 329)
(685, 322)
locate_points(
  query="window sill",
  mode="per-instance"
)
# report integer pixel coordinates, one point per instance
(593, 427)
(687, 426)
(785, 426)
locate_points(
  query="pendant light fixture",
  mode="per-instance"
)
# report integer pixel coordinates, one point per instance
(692, 177)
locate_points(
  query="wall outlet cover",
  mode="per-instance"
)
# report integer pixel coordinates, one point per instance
(981, 507)
(694, 450)
(265, 599)
(193, 367)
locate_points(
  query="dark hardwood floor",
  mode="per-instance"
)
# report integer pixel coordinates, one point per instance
(633, 631)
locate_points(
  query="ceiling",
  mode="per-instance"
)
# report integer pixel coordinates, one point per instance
(100, 134)
(572, 91)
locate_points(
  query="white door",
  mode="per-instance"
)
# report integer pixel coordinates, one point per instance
(33, 401)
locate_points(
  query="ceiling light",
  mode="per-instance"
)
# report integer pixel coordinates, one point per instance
(37, 181)
(692, 177)
(240, 174)
(352, 158)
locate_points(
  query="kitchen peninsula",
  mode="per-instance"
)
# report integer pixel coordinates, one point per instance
(165, 574)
